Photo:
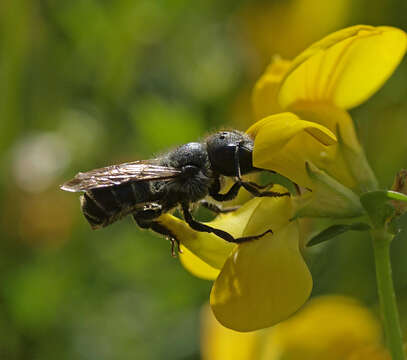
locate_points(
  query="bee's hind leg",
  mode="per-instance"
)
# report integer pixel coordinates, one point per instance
(161, 229)
(145, 219)
(149, 211)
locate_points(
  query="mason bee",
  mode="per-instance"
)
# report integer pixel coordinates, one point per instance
(186, 175)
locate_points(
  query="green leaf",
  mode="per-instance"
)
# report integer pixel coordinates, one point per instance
(394, 195)
(336, 230)
(377, 206)
(357, 164)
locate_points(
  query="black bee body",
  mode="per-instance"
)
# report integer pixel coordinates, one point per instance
(103, 206)
(181, 177)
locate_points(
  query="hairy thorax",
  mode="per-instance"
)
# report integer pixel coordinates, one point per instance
(197, 177)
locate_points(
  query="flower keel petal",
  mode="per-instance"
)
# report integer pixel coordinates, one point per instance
(196, 266)
(208, 247)
(262, 283)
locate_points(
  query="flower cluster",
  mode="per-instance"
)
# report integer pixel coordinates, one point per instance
(305, 133)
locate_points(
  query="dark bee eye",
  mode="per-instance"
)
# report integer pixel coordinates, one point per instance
(222, 137)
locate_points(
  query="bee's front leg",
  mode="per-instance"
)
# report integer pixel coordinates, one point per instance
(214, 191)
(254, 189)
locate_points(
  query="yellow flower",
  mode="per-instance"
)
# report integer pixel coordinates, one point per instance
(284, 141)
(281, 27)
(331, 76)
(299, 149)
(263, 282)
(327, 328)
(257, 283)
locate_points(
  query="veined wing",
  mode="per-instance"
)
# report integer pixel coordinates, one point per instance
(119, 174)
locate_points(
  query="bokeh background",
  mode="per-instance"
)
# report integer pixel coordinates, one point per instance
(87, 83)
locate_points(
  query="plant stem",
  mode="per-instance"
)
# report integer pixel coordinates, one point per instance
(390, 317)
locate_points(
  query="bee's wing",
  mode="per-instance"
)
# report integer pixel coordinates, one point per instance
(119, 174)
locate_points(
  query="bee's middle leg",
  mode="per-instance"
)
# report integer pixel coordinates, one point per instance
(216, 208)
(198, 226)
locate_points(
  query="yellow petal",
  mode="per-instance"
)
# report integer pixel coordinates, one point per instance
(344, 68)
(265, 99)
(328, 327)
(372, 352)
(286, 125)
(283, 143)
(269, 213)
(263, 282)
(332, 118)
(350, 166)
(220, 343)
(196, 266)
(208, 247)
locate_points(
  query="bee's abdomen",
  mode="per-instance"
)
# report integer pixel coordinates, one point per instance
(103, 206)
(95, 214)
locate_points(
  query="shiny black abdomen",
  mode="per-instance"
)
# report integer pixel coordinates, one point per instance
(104, 206)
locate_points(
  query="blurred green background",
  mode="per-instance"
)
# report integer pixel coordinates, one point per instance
(88, 83)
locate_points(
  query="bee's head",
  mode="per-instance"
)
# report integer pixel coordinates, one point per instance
(223, 148)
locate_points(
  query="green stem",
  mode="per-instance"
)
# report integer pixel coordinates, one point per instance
(381, 245)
